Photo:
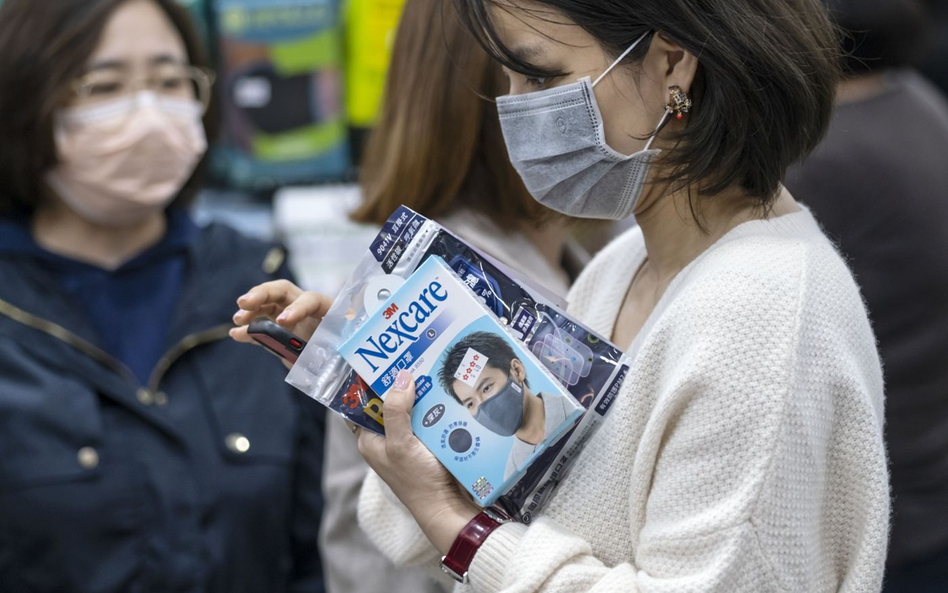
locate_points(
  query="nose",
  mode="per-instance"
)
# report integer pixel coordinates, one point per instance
(145, 99)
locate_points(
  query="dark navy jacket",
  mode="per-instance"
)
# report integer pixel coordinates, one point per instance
(205, 480)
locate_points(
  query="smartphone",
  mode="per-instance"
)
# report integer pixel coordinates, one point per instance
(276, 339)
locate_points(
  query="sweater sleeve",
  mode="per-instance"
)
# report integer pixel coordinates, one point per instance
(391, 527)
(545, 557)
(731, 457)
(698, 466)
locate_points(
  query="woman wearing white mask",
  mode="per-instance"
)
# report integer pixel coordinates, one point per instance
(745, 452)
(141, 449)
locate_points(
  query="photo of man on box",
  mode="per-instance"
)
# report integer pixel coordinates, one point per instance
(484, 375)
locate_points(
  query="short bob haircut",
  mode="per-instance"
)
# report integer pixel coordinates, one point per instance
(44, 47)
(763, 92)
(438, 144)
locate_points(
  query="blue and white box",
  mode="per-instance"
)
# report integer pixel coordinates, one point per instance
(485, 406)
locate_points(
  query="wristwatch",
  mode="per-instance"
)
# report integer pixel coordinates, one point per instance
(458, 560)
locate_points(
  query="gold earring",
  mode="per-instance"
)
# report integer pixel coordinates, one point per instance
(678, 102)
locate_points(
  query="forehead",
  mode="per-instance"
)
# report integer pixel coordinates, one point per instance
(531, 29)
(464, 391)
(138, 31)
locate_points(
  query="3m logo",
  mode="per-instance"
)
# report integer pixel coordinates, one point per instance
(404, 326)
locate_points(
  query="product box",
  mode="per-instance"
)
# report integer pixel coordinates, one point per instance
(281, 86)
(590, 368)
(485, 406)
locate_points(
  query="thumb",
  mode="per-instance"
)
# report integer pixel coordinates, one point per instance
(397, 408)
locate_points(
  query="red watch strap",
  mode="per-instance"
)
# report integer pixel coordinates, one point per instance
(462, 552)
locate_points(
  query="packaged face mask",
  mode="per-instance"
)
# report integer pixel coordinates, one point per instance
(485, 405)
(581, 360)
(530, 314)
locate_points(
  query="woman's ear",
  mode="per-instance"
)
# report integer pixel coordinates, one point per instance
(517, 371)
(677, 65)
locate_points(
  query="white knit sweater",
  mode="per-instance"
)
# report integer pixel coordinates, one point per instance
(744, 453)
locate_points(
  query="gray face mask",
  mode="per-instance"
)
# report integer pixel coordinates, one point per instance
(556, 141)
(503, 412)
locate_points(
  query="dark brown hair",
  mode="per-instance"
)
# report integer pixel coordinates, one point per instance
(763, 92)
(880, 34)
(496, 349)
(44, 47)
(438, 145)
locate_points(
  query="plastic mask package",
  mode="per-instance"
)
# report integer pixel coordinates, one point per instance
(587, 366)
(477, 386)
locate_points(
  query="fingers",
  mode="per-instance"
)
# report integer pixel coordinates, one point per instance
(397, 408)
(278, 292)
(306, 304)
(243, 317)
(239, 334)
(372, 448)
(284, 302)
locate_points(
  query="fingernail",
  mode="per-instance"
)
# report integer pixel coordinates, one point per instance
(403, 380)
(242, 297)
(238, 314)
(284, 315)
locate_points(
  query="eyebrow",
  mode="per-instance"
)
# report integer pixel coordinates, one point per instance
(480, 383)
(165, 59)
(159, 60)
(526, 52)
(107, 65)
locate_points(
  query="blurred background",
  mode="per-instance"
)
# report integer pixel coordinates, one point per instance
(299, 86)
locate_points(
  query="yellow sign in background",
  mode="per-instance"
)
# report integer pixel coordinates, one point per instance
(370, 33)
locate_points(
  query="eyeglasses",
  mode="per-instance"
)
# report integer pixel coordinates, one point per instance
(173, 81)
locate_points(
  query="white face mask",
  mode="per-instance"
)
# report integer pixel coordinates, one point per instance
(557, 143)
(123, 160)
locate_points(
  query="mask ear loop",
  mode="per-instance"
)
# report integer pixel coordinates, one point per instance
(620, 58)
(658, 128)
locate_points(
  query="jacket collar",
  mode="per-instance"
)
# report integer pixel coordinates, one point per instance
(30, 283)
(221, 266)
(16, 239)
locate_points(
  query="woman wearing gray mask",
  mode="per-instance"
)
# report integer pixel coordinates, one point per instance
(744, 452)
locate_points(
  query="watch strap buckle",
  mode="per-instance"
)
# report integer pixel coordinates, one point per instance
(458, 559)
(461, 578)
